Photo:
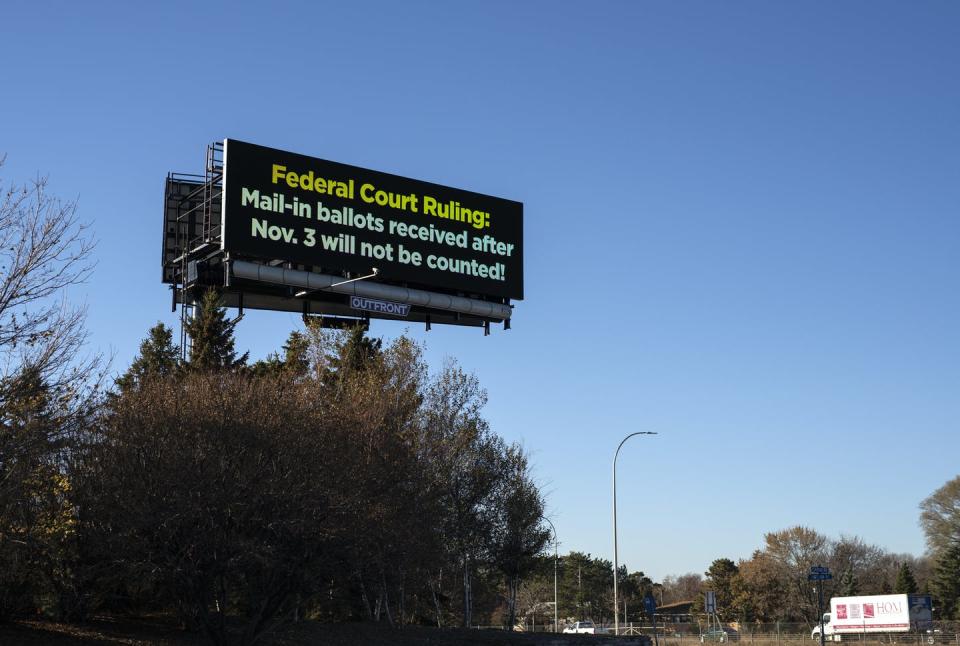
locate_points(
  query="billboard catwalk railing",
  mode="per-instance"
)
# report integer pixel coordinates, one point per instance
(314, 281)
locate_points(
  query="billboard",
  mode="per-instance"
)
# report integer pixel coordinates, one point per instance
(284, 206)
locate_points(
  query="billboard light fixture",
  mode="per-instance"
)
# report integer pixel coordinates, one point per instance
(304, 292)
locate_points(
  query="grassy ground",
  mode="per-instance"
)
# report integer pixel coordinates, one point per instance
(130, 632)
(106, 631)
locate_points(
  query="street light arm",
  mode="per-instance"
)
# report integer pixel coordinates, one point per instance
(554, 529)
(624, 440)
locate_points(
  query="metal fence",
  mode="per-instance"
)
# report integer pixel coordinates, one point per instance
(945, 633)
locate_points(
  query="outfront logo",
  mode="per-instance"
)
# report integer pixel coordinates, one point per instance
(381, 307)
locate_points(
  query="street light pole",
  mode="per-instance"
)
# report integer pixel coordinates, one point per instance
(556, 558)
(616, 564)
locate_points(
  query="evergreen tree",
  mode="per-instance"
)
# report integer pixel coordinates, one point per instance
(906, 583)
(946, 581)
(848, 585)
(356, 350)
(158, 358)
(211, 336)
(296, 357)
(353, 353)
(272, 365)
(295, 361)
(720, 577)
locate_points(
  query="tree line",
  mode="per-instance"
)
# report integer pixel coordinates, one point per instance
(772, 584)
(338, 479)
(768, 587)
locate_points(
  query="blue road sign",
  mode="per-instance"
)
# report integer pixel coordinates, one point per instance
(819, 569)
(650, 605)
(819, 576)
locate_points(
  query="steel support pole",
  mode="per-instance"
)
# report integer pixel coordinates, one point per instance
(616, 562)
(820, 608)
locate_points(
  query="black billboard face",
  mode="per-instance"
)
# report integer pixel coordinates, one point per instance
(285, 206)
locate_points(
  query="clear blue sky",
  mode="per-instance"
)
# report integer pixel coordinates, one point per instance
(741, 225)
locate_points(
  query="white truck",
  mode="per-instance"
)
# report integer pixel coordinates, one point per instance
(884, 613)
(581, 628)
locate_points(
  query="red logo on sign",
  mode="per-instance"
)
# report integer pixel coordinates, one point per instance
(868, 611)
(841, 611)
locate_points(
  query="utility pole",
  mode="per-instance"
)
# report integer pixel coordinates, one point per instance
(579, 594)
(820, 574)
